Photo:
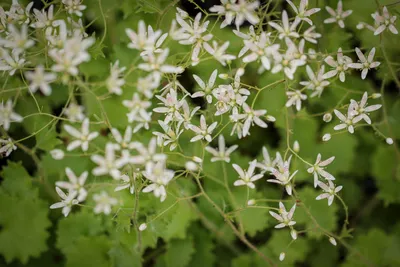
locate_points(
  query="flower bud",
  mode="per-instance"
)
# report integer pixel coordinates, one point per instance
(332, 240)
(296, 146)
(191, 166)
(293, 233)
(142, 227)
(376, 95)
(57, 154)
(271, 118)
(197, 159)
(223, 76)
(389, 141)
(326, 137)
(327, 117)
(282, 256)
(251, 202)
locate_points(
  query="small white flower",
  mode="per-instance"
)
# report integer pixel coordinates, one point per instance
(125, 141)
(340, 66)
(284, 217)
(238, 10)
(339, 15)
(222, 154)
(311, 36)
(206, 88)
(128, 182)
(302, 13)
(108, 164)
(160, 177)
(187, 115)
(115, 81)
(147, 154)
(74, 7)
(287, 29)
(365, 63)
(18, 40)
(191, 166)
(83, 137)
(74, 112)
(203, 132)
(75, 184)
(329, 191)
(7, 114)
(386, 21)
(360, 109)
(247, 177)
(267, 164)
(6, 147)
(104, 203)
(252, 116)
(282, 175)
(319, 169)
(66, 201)
(57, 154)
(136, 106)
(11, 63)
(317, 82)
(218, 52)
(347, 122)
(40, 79)
(169, 137)
(295, 98)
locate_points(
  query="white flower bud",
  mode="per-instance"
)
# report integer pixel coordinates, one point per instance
(376, 95)
(57, 154)
(327, 117)
(271, 118)
(240, 72)
(251, 202)
(360, 26)
(389, 141)
(223, 76)
(197, 159)
(282, 256)
(142, 227)
(296, 146)
(332, 240)
(293, 233)
(191, 166)
(326, 137)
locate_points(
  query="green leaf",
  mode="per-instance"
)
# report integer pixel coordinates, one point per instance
(179, 252)
(203, 245)
(19, 205)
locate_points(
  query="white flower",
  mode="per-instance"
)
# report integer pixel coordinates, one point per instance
(6, 147)
(193, 33)
(108, 164)
(206, 89)
(40, 79)
(123, 142)
(295, 98)
(187, 115)
(74, 112)
(7, 114)
(66, 201)
(329, 191)
(347, 122)
(219, 52)
(222, 154)
(169, 137)
(311, 36)
(282, 175)
(44, 19)
(287, 29)
(319, 169)
(104, 203)
(128, 182)
(143, 119)
(171, 106)
(385, 21)
(160, 177)
(267, 164)
(147, 154)
(74, 7)
(302, 13)
(251, 116)
(57, 154)
(11, 63)
(17, 40)
(191, 166)
(242, 11)
(155, 64)
(360, 109)
(317, 82)
(75, 184)
(247, 177)
(293, 58)
(136, 106)
(115, 81)
(83, 137)
(339, 15)
(147, 85)
(284, 217)
(365, 63)
(18, 14)
(148, 41)
(340, 66)
(204, 131)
